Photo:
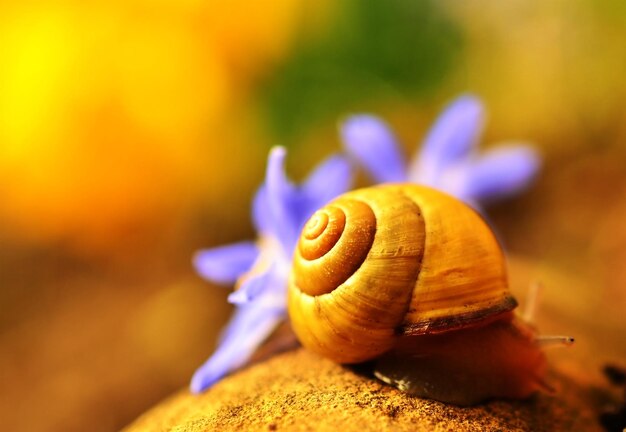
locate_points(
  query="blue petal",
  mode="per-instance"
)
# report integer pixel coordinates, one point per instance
(269, 293)
(501, 172)
(370, 141)
(250, 326)
(261, 214)
(251, 288)
(330, 179)
(282, 199)
(453, 181)
(451, 138)
(224, 264)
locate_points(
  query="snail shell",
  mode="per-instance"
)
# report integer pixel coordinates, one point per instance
(380, 263)
(415, 279)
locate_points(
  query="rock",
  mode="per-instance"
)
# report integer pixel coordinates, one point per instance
(298, 390)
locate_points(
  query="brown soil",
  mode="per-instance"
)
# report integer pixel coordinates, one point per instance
(300, 391)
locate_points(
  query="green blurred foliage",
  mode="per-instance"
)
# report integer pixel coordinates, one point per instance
(372, 51)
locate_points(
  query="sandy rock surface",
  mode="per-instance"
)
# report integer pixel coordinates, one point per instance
(298, 390)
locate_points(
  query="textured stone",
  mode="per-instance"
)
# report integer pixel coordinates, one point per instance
(300, 391)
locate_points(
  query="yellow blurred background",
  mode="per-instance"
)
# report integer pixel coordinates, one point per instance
(134, 133)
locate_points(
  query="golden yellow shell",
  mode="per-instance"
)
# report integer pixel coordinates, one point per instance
(379, 263)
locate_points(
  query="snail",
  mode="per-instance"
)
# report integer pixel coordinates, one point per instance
(415, 280)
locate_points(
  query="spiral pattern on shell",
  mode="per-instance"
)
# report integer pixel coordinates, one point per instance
(325, 238)
(393, 260)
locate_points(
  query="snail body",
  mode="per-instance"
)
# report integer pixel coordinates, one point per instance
(414, 279)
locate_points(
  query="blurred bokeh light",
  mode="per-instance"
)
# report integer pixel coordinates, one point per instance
(133, 133)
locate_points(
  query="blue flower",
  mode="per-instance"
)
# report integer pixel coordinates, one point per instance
(260, 269)
(448, 160)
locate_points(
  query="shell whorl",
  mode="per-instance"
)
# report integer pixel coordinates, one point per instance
(381, 262)
(333, 244)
